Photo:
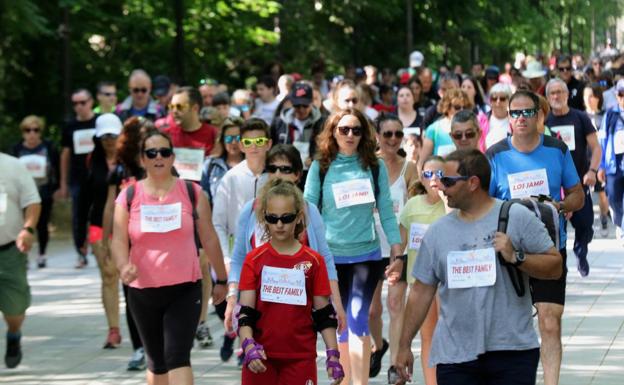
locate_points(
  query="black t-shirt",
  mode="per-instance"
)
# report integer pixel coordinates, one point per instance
(575, 94)
(48, 183)
(582, 127)
(97, 190)
(78, 162)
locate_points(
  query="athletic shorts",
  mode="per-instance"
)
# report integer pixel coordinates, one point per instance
(550, 290)
(14, 289)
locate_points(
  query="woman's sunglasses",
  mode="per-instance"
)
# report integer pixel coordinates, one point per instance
(227, 139)
(428, 174)
(272, 169)
(273, 219)
(344, 130)
(152, 153)
(389, 134)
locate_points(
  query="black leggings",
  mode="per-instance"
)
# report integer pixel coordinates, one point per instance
(167, 319)
(43, 235)
(134, 333)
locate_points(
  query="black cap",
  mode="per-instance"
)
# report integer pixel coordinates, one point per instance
(301, 94)
(161, 85)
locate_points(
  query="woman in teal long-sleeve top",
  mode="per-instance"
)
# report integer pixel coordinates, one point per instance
(347, 196)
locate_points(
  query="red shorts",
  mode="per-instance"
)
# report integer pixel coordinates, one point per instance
(96, 233)
(283, 372)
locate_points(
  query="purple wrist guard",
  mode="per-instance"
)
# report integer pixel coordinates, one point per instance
(337, 371)
(253, 353)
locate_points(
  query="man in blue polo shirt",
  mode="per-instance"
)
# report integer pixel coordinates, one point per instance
(529, 164)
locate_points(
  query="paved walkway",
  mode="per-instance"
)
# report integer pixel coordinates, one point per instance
(65, 329)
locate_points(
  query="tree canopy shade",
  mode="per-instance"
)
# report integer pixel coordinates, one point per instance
(50, 46)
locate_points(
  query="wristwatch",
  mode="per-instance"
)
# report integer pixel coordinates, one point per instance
(594, 170)
(221, 282)
(402, 257)
(520, 257)
(29, 229)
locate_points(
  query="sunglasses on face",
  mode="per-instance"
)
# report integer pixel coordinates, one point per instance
(272, 169)
(259, 142)
(286, 218)
(138, 90)
(450, 181)
(79, 102)
(227, 139)
(564, 69)
(458, 135)
(428, 174)
(527, 113)
(389, 134)
(36, 130)
(152, 153)
(499, 99)
(177, 107)
(107, 94)
(344, 130)
(457, 107)
(109, 136)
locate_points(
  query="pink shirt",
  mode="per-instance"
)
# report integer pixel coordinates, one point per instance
(162, 258)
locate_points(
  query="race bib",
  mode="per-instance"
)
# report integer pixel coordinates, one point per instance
(3, 207)
(280, 285)
(618, 142)
(161, 218)
(304, 150)
(417, 232)
(567, 135)
(445, 150)
(35, 164)
(353, 192)
(473, 268)
(528, 183)
(83, 141)
(411, 131)
(189, 163)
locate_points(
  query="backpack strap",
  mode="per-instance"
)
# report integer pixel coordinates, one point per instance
(192, 197)
(129, 196)
(515, 276)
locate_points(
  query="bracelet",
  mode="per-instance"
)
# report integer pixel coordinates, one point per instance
(232, 292)
(29, 229)
(402, 257)
(221, 282)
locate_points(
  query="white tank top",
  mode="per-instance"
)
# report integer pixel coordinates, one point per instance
(398, 193)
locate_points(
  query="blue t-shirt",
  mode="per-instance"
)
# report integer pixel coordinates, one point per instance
(551, 155)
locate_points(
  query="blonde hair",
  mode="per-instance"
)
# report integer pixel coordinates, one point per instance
(30, 120)
(444, 106)
(284, 188)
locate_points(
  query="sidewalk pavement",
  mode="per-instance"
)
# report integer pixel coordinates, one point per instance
(65, 329)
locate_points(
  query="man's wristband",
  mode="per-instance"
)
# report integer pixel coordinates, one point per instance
(221, 282)
(594, 170)
(29, 229)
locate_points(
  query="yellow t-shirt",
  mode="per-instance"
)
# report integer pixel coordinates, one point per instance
(416, 217)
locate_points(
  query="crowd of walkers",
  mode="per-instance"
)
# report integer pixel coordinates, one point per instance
(290, 206)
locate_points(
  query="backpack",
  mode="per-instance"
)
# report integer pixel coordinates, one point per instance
(542, 210)
(191, 193)
(323, 173)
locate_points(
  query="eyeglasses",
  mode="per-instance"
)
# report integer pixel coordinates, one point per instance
(428, 174)
(36, 130)
(527, 113)
(227, 139)
(458, 135)
(389, 134)
(457, 107)
(564, 69)
(298, 106)
(498, 99)
(152, 153)
(449, 181)
(79, 102)
(107, 94)
(344, 130)
(272, 169)
(286, 218)
(178, 107)
(138, 90)
(109, 136)
(259, 142)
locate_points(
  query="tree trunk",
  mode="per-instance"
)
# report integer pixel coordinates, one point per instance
(179, 41)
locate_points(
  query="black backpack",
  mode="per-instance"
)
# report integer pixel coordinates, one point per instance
(323, 173)
(546, 213)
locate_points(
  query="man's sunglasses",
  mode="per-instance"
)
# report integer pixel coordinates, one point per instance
(389, 134)
(458, 135)
(227, 139)
(178, 107)
(152, 153)
(449, 181)
(36, 130)
(272, 169)
(428, 174)
(565, 69)
(259, 142)
(344, 130)
(527, 113)
(286, 218)
(138, 90)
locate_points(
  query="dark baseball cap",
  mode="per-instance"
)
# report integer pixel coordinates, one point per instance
(161, 85)
(301, 94)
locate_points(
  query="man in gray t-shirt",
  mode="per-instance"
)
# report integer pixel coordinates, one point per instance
(485, 331)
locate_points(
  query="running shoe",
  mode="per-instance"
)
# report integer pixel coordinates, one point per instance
(203, 336)
(227, 349)
(41, 261)
(82, 262)
(375, 359)
(604, 226)
(13, 355)
(113, 340)
(137, 362)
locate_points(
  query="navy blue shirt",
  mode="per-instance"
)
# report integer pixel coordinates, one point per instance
(583, 126)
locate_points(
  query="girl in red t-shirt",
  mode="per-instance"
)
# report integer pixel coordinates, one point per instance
(281, 283)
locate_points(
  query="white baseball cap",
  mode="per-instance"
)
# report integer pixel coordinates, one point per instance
(416, 59)
(107, 124)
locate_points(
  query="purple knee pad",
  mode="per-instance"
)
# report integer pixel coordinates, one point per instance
(337, 370)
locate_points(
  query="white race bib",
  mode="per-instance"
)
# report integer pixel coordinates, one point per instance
(83, 141)
(417, 232)
(280, 285)
(35, 164)
(618, 142)
(3, 207)
(567, 135)
(445, 150)
(528, 183)
(473, 268)
(412, 131)
(189, 163)
(161, 218)
(353, 192)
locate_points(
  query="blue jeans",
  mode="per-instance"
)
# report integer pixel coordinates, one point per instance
(615, 193)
